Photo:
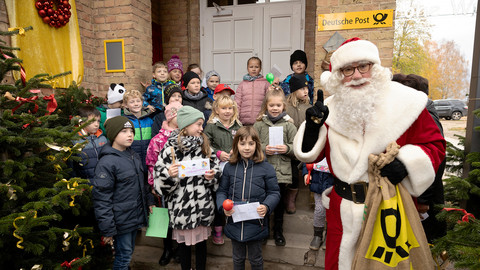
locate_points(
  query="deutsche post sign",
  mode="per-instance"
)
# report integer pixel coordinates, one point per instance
(355, 20)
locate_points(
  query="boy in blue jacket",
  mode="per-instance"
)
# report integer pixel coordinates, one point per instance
(120, 197)
(85, 168)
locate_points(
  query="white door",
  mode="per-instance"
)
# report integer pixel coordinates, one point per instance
(270, 31)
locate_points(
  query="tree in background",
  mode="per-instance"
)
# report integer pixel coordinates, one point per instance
(45, 216)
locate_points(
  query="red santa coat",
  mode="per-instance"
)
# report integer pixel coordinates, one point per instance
(400, 117)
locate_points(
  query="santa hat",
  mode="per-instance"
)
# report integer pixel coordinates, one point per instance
(352, 50)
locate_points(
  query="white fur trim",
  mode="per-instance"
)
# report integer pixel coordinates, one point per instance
(420, 169)
(352, 219)
(326, 198)
(317, 148)
(324, 78)
(354, 51)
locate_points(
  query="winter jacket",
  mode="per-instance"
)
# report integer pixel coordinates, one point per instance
(157, 123)
(204, 104)
(250, 182)
(156, 144)
(103, 115)
(286, 85)
(221, 138)
(319, 180)
(89, 154)
(143, 134)
(189, 199)
(298, 113)
(120, 197)
(209, 92)
(154, 94)
(249, 97)
(281, 163)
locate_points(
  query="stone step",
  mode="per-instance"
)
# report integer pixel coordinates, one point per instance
(295, 252)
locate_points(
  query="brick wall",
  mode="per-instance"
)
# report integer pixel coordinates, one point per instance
(310, 28)
(382, 37)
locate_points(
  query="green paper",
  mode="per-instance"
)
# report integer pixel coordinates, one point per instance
(158, 223)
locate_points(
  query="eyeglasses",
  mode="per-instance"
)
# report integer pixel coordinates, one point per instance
(362, 68)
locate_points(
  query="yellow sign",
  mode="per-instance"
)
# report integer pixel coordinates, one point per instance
(355, 20)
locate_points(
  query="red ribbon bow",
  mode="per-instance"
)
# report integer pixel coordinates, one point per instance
(52, 103)
(465, 216)
(26, 100)
(68, 265)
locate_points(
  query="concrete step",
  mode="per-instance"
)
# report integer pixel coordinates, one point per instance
(295, 252)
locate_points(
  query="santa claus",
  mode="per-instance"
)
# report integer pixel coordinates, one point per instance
(365, 113)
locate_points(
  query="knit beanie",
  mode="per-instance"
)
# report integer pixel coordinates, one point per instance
(188, 115)
(115, 93)
(174, 63)
(169, 90)
(187, 77)
(298, 81)
(352, 50)
(115, 124)
(298, 55)
(171, 110)
(212, 73)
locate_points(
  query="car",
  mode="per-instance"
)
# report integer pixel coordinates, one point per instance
(450, 108)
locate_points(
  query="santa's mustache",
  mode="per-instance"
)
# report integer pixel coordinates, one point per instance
(357, 82)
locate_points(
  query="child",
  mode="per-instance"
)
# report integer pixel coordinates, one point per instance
(248, 168)
(194, 96)
(298, 63)
(189, 199)
(114, 101)
(173, 93)
(212, 79)
(142, 123)
(95, 142)
(195, 68)
(119, 195)
(297, 105)
(175, 69)
(251, 92)
(320, 180)
(223, 90)
(154, 96)
(156, 144)
(273, 114)
(220, 130)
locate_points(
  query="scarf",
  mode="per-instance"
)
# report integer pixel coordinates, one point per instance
(198, 96)
(250, 78)
(275, 119)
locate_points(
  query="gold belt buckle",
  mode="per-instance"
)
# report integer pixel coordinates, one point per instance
(354, 193)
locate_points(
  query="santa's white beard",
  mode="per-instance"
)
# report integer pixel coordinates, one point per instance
(355, 107)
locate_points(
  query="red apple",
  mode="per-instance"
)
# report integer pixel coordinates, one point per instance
(228, 204)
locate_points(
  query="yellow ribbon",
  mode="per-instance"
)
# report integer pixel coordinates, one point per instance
(85, 246)
(74, 185)
(21, 31)
(16, 228)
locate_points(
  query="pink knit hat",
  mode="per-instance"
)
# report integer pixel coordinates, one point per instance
(175, 63)
(171, 110)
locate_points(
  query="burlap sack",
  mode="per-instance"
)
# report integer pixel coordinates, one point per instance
(392, 235)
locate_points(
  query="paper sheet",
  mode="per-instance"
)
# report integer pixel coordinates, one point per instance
(158, 223)
(276, 71)
(275, 136)
(113, 112)
(193, 167)
(245, 211)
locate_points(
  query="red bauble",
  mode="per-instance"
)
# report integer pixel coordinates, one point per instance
(65, 3)
(228, 204)
(50, 12)
(39, 5)
(46, 20)
(60, 18)
(42, 13)
(55, 13)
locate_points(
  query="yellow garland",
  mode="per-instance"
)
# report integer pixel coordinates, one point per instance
(74, 185)
(16, 228)
(85, 246)
(67, 239)
(21, 31)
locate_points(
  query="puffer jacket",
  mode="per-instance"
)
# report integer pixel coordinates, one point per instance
(252, 182)
(103, 115)
(143, 134)
(90, 154)
(203, 104)
(298, 113)
(156, 144)
(120, 197)
(281, 163)
(154, 94)
(285, 85)
(319, 180)
(221, 138)
(190, 199)
(249, 97)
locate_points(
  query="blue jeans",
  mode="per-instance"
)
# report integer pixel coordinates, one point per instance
(124, 245)
(254, 250)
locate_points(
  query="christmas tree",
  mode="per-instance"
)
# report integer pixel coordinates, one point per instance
(45, 215)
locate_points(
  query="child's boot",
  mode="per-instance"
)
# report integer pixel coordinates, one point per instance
(290, 200)
(217, 235)
(317, 240)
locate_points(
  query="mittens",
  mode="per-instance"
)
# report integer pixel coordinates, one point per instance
(315, 117)
(395, 171)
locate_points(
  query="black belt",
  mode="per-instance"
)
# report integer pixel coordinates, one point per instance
(356, 192)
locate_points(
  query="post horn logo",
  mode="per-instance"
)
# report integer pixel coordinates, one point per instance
(381, 20)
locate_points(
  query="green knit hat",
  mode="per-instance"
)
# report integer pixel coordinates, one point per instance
(188, 115)
(115, 124)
